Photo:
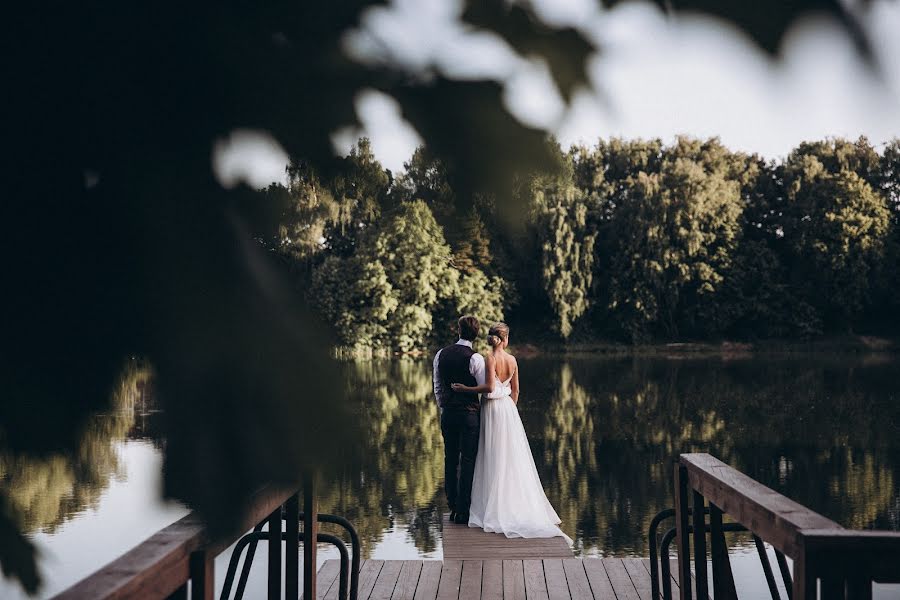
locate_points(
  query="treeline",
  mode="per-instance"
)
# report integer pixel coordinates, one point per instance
(632, 241)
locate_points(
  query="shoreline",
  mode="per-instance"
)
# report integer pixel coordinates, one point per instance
(855, 345)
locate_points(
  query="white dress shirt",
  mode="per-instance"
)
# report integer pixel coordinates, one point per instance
(476, 368)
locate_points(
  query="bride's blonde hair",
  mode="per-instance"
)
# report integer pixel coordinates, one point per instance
(497, 334)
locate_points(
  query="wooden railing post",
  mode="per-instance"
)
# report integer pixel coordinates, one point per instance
(682, 540)
(805, 587)
(700, 546)
(292, 548)
(203, 578)
(310, 535)
(275, 554)
(723, 579)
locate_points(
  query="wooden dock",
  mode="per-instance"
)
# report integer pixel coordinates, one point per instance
(529, 579)
(470, 543)
(490, 566)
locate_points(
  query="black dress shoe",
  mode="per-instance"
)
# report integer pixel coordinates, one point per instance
(452, 516)
(461, 518)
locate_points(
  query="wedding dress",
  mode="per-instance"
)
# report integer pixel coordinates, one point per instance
(507, 496)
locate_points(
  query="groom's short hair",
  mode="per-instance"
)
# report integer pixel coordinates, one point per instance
(468, 327)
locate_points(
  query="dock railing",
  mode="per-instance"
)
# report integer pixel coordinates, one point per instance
(182, 555)
(839, 562)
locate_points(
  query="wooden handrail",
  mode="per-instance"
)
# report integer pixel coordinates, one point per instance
(846, 561)
(773, 517)
(163, 563)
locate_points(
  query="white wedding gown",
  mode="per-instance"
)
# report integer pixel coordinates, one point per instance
(507, 496)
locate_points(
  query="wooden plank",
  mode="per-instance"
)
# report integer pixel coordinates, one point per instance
(470, 584)
(579, 587)
(673, 578)
(640, 578)
(387, 580)
(408, 580)
(620, 580)
(328, 575)
(429, 580)
(448, 588)
(368, 574)
(492, 580)
(334, 590)
(601, 587)
(535, 583)
(513, 580)
(557, 586)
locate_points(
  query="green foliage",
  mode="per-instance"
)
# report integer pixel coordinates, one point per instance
(401, 277)
(889, 175)
(474, 245)
(311, 209)
(567, 253)
(631, 239)
(359, 185)
(670, 239)
(836, 227)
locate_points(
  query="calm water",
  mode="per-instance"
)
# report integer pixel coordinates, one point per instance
(824, 431)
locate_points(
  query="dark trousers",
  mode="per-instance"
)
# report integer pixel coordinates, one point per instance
(461, 430)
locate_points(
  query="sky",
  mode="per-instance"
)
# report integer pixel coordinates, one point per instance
(656, 77)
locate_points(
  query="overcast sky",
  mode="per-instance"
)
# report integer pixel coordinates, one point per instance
(655, 78)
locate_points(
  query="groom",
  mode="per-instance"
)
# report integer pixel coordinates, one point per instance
(460, 415)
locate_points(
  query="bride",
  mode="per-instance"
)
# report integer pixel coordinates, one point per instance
(507, 496)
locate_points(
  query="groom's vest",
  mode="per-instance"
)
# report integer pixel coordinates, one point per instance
(453, 367)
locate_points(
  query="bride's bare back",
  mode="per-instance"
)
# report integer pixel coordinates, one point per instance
(504, 367)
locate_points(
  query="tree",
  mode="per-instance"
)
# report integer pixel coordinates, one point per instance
(669, 241)
(889, 175)
(840, 154)
(567, 253)
(360, 186)
(311, 209)
(387, 294)
(835, 227)
(474, 246)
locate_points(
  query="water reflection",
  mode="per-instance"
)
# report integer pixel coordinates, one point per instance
(605, 433)
(45, 491)
(398, 479)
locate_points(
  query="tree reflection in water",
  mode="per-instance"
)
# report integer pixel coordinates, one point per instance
(605, 433)
(398, 479)
(45, 491)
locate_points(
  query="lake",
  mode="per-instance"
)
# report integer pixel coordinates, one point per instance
(823, 430)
